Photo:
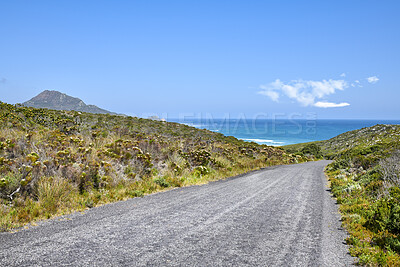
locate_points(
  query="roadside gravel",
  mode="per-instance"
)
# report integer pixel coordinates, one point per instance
(278, 216)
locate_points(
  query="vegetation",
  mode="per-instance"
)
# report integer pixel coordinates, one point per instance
(365, 179)
(54, 162)
(305, 149)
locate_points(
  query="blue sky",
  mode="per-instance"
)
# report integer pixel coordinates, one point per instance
(214, 57)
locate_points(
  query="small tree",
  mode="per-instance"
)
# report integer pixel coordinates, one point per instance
(312, 149)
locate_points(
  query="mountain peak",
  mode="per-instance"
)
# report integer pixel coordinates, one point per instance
(52, 99)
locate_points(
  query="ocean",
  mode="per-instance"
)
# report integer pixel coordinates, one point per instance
(280, 132)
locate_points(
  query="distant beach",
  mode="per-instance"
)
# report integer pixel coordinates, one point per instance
(281, 132)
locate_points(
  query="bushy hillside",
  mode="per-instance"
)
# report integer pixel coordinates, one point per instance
(382, 136)
(365, 178)
(54, 162)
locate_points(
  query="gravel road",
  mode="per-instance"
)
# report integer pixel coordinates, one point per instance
(278, 216)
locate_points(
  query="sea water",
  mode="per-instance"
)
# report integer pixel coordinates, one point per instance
(279, 132)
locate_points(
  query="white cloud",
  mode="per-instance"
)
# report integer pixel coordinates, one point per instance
(304, 92)
(373, 79)
(357, 83)
(343, 75)
(322, 104)
(271, 94)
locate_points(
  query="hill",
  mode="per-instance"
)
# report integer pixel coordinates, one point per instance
(54, 162)
(381, 135)
(59, 101)
(365, 179)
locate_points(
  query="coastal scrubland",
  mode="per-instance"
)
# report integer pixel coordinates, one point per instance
(54, 162)
(365, 179)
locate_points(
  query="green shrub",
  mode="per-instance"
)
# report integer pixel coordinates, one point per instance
(312, 149)
(161, 182)
(384, 220)
(200, 170)
(137, 193)
(9, 183)
(340, 164)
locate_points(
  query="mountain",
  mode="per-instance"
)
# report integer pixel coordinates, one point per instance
(59, 101)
